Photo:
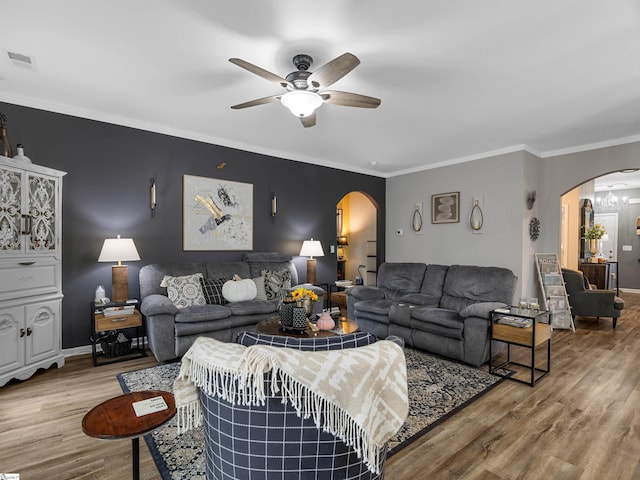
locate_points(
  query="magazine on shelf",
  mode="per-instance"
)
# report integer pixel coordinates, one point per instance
(113, 311)
(552, 279)
(561, 319)
(515, 321)
(557, 303)
(554, 290)
(546, 267)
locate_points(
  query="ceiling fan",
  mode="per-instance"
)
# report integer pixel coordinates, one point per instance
(306, 90)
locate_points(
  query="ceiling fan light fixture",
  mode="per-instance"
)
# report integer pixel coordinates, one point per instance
(301, 103)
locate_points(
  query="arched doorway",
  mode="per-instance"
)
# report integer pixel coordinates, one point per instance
(356, 229)
(615, 202)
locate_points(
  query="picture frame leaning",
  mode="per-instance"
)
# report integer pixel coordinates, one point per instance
(217, 214)
(445, 207)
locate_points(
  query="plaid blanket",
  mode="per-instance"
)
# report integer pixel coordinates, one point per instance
(359, 394)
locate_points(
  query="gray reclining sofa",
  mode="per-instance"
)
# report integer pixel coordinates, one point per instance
(172, 330)
(437, 308)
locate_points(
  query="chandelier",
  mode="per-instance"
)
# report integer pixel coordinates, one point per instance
(608, 202)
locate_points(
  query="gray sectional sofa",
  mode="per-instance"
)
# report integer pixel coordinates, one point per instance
(172, 330)
(437, 308)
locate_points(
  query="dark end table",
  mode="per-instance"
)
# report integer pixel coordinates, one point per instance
(115, 419)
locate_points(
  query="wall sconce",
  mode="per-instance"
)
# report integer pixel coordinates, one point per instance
(274, 205)
(476, 218)
(638, 226)
(531, 199)
(416, 219)
(152, 197)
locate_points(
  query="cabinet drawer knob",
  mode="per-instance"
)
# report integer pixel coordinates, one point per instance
(26, 263)
(22, 332)
(29, 331)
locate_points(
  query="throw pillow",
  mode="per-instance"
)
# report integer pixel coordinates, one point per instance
(262, 294)
(274, 282)
(184, 291)
(212, 289)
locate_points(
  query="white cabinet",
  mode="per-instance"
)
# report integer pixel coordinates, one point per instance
(30, 269)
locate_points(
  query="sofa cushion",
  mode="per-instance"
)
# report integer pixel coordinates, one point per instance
(221, 269)
(274, 261)
(440, 321)
(468, 284)
(433, 282)
(185, 290)
(212, 289)
(420, 299)
(398, 279)
(151, 276)
(202, 313)
(252, 307)
(338, 342)
(378, 307)
(275, 282)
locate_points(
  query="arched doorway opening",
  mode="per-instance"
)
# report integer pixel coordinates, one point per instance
(356, 230)
(613, 201)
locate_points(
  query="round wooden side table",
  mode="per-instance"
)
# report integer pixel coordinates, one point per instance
(117, 419)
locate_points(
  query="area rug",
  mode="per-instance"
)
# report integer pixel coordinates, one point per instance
(438, 388)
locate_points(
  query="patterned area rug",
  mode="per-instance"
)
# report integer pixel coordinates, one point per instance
(438, 388)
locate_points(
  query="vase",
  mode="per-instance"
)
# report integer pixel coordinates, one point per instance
(325, 322)
(286, 314)
(299, 318)
(308, 306)
(593, 246)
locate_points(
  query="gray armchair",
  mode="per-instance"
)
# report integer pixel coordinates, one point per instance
(590, 303)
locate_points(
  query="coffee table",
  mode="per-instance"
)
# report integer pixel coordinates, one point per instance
(116, 419)
(272, 327)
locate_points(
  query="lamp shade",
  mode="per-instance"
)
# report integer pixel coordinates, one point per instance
(301, 103)
(311, 248)
(118, 250)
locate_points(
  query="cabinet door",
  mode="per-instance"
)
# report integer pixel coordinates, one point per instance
(11, 342)
(42, 200)
(11, 238)
(42, 330)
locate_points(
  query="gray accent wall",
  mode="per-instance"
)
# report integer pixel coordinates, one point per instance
(106, 193)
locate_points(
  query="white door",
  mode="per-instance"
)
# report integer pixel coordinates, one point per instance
(610, 244)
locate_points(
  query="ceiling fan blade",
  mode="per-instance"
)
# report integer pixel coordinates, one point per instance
(347, 99)
(259, 101)
(333, 71)
(309, 121)
(261, 72)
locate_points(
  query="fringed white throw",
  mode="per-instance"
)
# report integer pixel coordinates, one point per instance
(357, 394)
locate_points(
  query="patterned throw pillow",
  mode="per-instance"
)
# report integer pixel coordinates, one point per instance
(184, 291)
(274, 282)
(212, 289)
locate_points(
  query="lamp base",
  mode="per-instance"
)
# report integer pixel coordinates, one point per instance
(119, 283)
(311, 271)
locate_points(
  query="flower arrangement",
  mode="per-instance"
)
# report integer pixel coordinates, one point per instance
(595, 233)
(301, 294)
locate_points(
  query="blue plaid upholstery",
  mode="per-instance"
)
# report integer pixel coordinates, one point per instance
(337, 342)
(271, 442)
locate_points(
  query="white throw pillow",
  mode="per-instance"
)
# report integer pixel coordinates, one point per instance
(184, 291)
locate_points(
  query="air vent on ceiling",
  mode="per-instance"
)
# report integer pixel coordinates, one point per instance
(21, 60)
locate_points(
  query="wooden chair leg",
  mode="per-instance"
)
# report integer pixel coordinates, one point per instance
(615, 320)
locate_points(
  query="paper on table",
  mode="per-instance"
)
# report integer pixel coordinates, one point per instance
(151, 405)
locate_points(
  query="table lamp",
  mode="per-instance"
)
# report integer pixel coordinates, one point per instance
(119, 250)
(311, 248)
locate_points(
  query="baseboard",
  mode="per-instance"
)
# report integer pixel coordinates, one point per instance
(630, 290)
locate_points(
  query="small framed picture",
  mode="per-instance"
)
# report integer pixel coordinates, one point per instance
(445, 207)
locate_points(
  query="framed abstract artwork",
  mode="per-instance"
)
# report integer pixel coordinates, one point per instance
(217, 214)
(445, 207)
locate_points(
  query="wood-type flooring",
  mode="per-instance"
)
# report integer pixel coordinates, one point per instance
(582, 422)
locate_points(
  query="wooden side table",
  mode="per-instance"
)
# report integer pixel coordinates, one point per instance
(538, 334)
(102, 325)
(117, 419)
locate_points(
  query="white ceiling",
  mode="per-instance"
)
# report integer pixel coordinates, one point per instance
(458, 79)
